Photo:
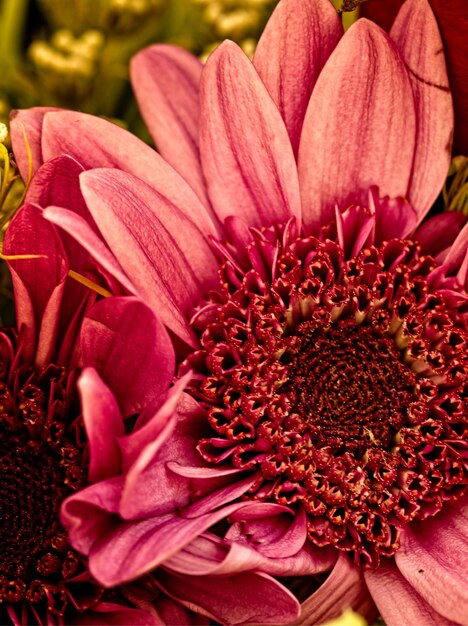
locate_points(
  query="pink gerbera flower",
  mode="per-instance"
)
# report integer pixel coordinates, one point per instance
(321, 322)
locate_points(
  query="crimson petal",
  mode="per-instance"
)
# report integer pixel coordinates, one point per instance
(131, 350)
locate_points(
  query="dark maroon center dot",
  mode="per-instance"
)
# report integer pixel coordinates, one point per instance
(342, 383)
(41, 462)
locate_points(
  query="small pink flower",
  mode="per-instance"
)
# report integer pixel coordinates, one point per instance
(319, 321)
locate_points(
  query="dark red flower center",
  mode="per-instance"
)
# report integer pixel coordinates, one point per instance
(348, 386)
(341, 382)
(41, 462)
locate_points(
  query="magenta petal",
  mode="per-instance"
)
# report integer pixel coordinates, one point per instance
(397, 601)
(166, 80)
(165, 253)
(80, 230)
(172, 612)
(28, 123)
(38, 282)
(132, 549)
(296, 43)
(274, 530)
(134, 444)
(89, 513)
(131, 350)
(355, 229)
(108, 614)
(57, 182)
(394, 217)
(359, 128)
(248, 598)
(344, 588)
(210, 555)
(150, 487)
(103, 423)
(438, 233)
(291, 541)
(220, 497)
(456, 261)
(431, 560)
(95, 143)
(418, 39)
(201, 472)
(246, 153)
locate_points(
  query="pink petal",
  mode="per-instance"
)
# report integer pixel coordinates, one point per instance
(132, 549)
(394, 217)
(418, 39)
(133, 444)
(96, 143)
(80, 229)
(359, 128)
(456, 261)
(278, 534)
(246, 153)
(165, 80)
(249, 598)
(131, 350)
(220, 497)
(201, 472)
(431, 560)
(77, 299)
(355, 229)
(210, 555)
(344, 588)
(397, 601)
(103, 423)
(203, 556)
(165, 253)
(28, 122)
(57, 183)
(90, 512)
(172, 612)
(150, 487)
(296, 43)
(108, 614)
(38, 282)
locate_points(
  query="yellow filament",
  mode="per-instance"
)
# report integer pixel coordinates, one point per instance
(21, 257)
(6, 166)
(89, 283)
(30, 165)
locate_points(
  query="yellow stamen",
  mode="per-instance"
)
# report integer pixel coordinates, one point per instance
(30, 165)
(21, 257)
(89, 283)
(6, 169)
